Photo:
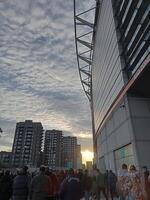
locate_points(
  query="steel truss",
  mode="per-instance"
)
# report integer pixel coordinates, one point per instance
(84, 47)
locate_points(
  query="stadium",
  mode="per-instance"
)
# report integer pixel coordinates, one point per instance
(113, 55)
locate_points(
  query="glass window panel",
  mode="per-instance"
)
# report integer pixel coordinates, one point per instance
(124, 155)
(102, 164)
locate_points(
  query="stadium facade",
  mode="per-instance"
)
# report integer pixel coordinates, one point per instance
(114, 67)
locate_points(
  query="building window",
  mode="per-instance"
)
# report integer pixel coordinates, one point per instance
(102, 164)
(124, 155)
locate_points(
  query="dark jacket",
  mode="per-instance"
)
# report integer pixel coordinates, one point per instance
(112, 180)
(5, 187)
(53, 184)
(101, 180)
(87, 182)
(40, 187)
(20, 187)
(70, 189)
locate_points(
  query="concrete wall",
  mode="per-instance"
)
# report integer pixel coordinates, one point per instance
(129, 123)
(140, 117)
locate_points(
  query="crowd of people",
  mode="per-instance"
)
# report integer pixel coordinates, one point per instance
(129, 184)
(133, 184)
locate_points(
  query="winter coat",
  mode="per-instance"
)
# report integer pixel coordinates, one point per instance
(112, 180)
(70, 189)
(101, 180)
(94, 185)
(20, 187)
(40, 187)
(5, 187)
(87, 182)
(54, 184)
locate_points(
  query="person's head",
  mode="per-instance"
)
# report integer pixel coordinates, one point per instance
(144, 168)
(47, 170)
(132, 168)
(96, 172)
(86, 172)
(80, 171)
(24, 170)
(20, 171)
(71, 172)
(124, 166)
(42, 169)
(7, 172)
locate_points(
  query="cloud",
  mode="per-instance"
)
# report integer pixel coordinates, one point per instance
(38, 71)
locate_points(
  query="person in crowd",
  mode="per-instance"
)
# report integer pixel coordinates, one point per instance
(87, 183)
(136, 190)
(61, 176)
(6, 186)
(1, 174)
(101, 184)
(70, 187)
(111, 181)
(80, 176)
(149, 178)
(54, 186)
(146, 181)
(123, 184)
(145, 171)
(21, 185)
(94, 184)
(40, 186)
(107, 186)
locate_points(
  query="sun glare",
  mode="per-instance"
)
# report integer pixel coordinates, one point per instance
(87, 156)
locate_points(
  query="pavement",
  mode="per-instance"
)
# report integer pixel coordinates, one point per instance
(101, 199)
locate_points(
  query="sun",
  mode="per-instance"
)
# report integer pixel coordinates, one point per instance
(87, 156)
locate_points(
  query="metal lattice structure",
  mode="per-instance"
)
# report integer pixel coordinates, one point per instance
(84, 31)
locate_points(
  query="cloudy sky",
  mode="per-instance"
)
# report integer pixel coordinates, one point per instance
(38, 70)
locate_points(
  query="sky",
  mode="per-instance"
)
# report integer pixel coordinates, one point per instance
(39, 78)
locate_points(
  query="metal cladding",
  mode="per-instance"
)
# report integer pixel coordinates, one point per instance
(112, 58)
(119, 92)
